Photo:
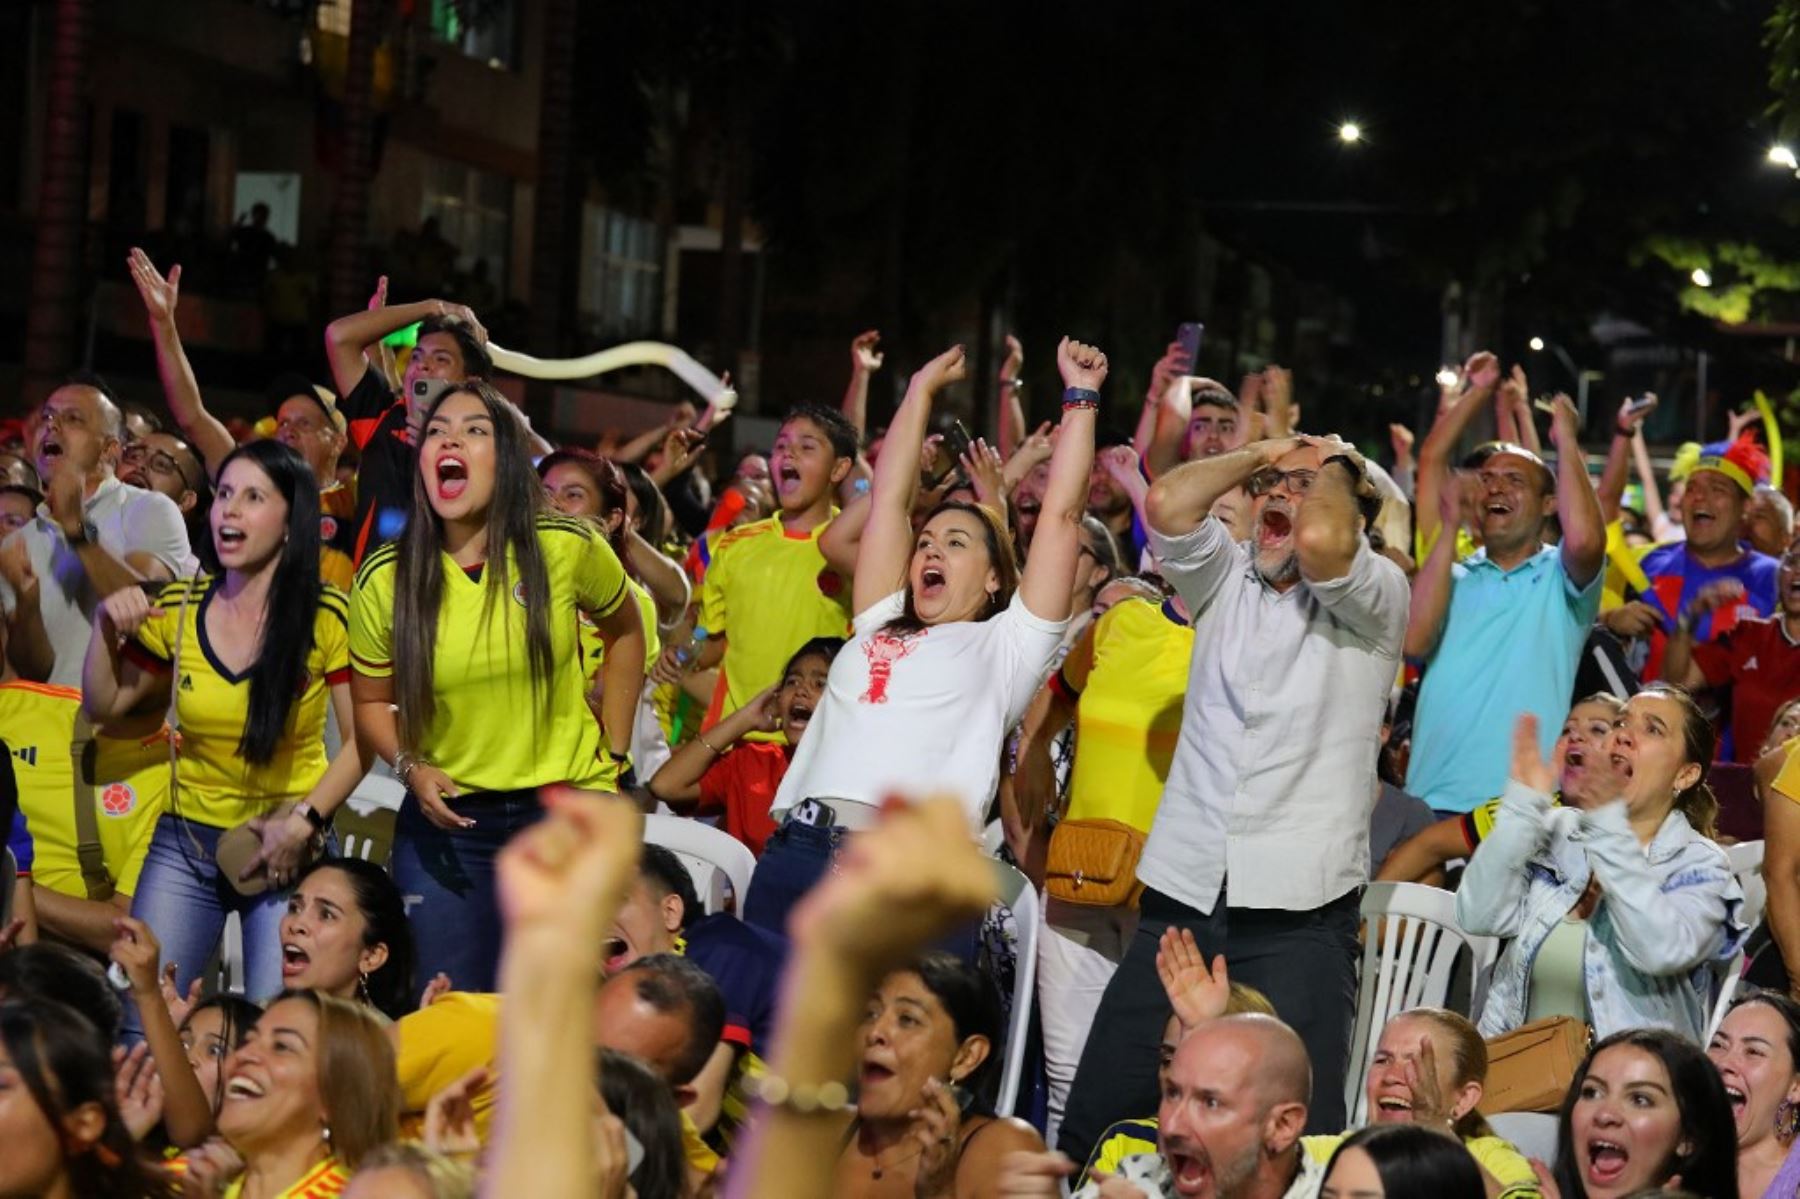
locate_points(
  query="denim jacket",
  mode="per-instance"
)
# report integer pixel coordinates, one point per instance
(1667, 913)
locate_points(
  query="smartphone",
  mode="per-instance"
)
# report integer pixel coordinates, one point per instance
(1188, 335)
(426, 391)
(958, 441)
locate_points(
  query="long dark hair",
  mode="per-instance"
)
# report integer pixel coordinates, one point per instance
(390, 987)
(1002, 558)
(237, 1016)
(969, 997)
(64, 1064)
(609, 485)
(278, 674)
(1416, 1162)
(1710, 1166)
(1697, 803)
(644, 1102)
(512, 514)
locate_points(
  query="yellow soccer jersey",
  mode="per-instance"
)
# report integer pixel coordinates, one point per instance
(490, 732)
(1130, 714)
(58, 764)
(769, 591)
(593, 650)
(217, 786)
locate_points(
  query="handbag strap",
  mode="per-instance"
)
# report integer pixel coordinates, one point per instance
(90, 854)
(172, 717)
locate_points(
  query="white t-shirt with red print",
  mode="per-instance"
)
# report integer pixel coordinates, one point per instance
(921, 713)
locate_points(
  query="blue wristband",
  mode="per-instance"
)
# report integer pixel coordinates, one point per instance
(1080, 397)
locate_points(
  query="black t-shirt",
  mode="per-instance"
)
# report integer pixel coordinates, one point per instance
(377, 419)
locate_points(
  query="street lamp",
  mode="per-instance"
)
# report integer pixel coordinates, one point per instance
(1783, 156)
(1536, 344)
(1701, 277)
(1582, 378)
(1350, 133)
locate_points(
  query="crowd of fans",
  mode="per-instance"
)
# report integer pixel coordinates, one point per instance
(1197, 683)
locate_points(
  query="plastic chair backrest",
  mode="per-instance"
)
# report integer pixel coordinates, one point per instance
(1410, 944)
(1746, 863)
(1021, 898)
(1533, 1134)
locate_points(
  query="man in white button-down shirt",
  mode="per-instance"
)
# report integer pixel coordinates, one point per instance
(1261, 844)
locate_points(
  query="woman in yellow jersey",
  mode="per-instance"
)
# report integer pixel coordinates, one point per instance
(589, 487)
(467, 677)
(308, 1095)
(260, 645)
(61, 1136)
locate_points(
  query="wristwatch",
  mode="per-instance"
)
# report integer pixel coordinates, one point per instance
(313, 816)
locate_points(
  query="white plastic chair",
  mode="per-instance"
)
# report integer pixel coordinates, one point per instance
(231, 955)
(1746, 863)
(1410, 944)
(716, 860)
(1021, 898)
(1531, 1133)
(992, 838)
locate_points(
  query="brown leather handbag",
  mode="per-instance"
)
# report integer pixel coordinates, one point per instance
(1531, 1067)
(1094, 863)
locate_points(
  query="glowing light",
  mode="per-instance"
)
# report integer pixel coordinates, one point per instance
(1350, 133)
(1701, 277)
(1536, 344)
(1783, 156)
(1447, 376)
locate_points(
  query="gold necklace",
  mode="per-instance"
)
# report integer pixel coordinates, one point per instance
(879, 1169)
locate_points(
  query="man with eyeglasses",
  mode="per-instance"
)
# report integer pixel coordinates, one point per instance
(1260, 845)
(93, 535)
(1502, 631)
(165, 463)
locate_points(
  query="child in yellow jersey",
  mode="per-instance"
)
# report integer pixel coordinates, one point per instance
(58, 761)
(769, 589)
(467, 676)
(252, 654)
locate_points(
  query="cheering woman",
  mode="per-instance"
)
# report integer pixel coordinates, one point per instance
(950, 641)
(260, 646)
(466, 672)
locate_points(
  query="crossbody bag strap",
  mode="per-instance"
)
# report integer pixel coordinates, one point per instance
(90, 855)
(173, 716)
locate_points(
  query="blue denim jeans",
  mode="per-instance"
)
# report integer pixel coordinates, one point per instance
(793, 860)
(184, 899)
(447, 879)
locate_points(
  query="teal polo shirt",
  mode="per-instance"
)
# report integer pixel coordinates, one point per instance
(1512, 640)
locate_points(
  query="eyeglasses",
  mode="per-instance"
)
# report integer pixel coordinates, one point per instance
(1298, 482)
(161, 461)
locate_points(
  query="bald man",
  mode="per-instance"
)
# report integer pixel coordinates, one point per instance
(92, 536)
(1229, 1127)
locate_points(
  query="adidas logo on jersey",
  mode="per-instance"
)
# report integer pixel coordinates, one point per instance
(187, 681)
(27, 755)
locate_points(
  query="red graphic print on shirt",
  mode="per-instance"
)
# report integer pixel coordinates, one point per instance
(883, 650)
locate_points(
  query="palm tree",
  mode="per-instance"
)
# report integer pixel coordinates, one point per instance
(56, 266)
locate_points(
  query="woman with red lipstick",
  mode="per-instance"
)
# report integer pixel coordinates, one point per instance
(1757, 1053)
(950, 642)
(1618, 911)
(466, 671)
(261, 646)
(1646, 1110)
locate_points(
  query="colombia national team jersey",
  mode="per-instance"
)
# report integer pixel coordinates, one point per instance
(490, 731)
(769, 591)
(58, 763)
(217, 786)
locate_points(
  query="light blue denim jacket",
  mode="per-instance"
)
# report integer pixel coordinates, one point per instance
(1667, 913)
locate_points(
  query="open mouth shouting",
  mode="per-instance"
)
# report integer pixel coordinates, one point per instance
(1275, 527)
(932, 582)
(1192, 1171)
(615, 955)
(1604, 1161)
(1737, 1096)
(241, 1086)
(799, 714)
(229, 538)
(294, 960)
(1393, 1109)
(787, 477)
(50, 453)
(1621, 764)
(452, 477)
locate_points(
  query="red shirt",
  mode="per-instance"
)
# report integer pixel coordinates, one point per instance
(1763, 668)
(742, 784)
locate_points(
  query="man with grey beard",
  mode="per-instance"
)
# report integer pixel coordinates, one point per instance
(1261, 844)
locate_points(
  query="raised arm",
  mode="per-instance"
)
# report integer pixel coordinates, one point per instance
(111, 684)
(888, 537)
(1482, 373)
(1646, 473)
(865, 360)
(1009, 416)
(1174, 410)
(1431, 586)
(1491, 898)
(348, 338)
(1181, 499)
(1328, 525)
(1050, 569)
(1611, 491)
(204, 431)
(1584, 529)
(662, 577)
(1173, 364)
(677, 782)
